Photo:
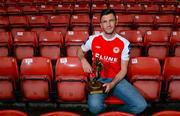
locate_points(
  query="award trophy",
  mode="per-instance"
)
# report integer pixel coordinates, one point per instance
(93, 85)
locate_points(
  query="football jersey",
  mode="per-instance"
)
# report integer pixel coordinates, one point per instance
(109, 51)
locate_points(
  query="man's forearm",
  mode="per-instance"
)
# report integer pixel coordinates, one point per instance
(80, 53)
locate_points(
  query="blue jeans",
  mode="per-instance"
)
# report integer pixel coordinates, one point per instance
(134, 102)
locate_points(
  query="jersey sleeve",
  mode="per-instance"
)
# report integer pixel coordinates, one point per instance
(126, 51)
(87, 45)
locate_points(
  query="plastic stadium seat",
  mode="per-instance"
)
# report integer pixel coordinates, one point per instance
(30, 9)
(134, 8)
(8, 76)
(38, 21)
(144, 20)
(175, 42)
(64, 8)
(144, 29)
(63, 30)
(114, 1)
(136, 42)
(119, 8)
(98, 1)
(18, 21)
(96, 20)
(167, 113)
(145, 74)
(53, 2)
(50, 43)
(168, 8)
(151, 8)
(11, 2)
(172, 77)
(5, 43)
(164, 20)
(80, 20)
(144, 1)
(73, 40)
(115, 113)
(113, 100)
(68, 1)
(2, 9)
(39, 2)
(61, 20)
(83, 1)
(125, 19)
(46, 9)
(25, 44)
(81, 8)
(25, 2)
(157, 44)
(14, 31)
(14, 10)
(38, 30)
(97, 8)
(36, 76)
(70, 79)
(60, 113)
(4, 22)
(12, 113)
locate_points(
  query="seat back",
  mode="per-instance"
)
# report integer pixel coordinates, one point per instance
(62, 113)
(36, 76)
(172, 76)
(175, 42)
(70, 79)
(5, 43)
(12, 113)
(50, 43)
(115, 113)
(167, 113)
(145, 75)
(8, 76)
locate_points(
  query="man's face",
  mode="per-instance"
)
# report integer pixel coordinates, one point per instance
(108, 23)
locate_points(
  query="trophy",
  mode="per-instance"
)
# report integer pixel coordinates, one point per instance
(93, 85)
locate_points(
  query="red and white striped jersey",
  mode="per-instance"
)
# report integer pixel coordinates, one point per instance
(109, 51)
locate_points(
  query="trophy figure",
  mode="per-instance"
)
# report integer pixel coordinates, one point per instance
(93, 85)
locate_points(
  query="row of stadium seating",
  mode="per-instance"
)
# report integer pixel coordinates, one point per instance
(66, 113)
(35, 79)
(84, 20)
(86, 8)
(37, 2)
(51, 44)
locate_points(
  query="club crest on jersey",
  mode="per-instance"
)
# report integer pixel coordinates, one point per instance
(116, 50)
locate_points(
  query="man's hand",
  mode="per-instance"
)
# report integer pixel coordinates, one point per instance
(108, 87)
(86, 66)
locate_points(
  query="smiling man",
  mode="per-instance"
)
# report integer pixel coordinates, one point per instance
(113, 52)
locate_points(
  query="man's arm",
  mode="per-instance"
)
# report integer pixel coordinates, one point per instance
(120, 75)
(86, 66)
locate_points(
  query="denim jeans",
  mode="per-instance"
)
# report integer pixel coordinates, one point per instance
(134, 102)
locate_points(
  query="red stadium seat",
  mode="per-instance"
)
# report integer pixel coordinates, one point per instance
(114, 1)
(83, 1)
(18, 21)
(39, 2)
(125, 19)
(151, 8)
(11, 2)
(63, 30)
(2, 9)
(144, 20)
(74, 40)
(70, 79)
(50, 43)
(96, 20)
(136, 42)
(60, 113)
(172, 77)
(157, 44)
(4, 22)
(68, 1)
(145, 74)
(46, 9)
(81, 8)
(64, 8)
(25, 2)
(25, 44)
(5, 43)
(175, 42)
(80, 20)
(36, 76)
(61, 20)
(38, 21)
(12, 113)
(168, 8)
(115, 113)
(167, 113)
(14, 10)
(119, 8)
(30, 9)
(164, 20)
(14, 31)
(8, 76)
(134, 8)
(97, 8)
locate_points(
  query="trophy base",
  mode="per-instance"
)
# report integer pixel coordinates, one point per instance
(95, 87)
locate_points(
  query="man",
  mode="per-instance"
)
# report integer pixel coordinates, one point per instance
(113, 52)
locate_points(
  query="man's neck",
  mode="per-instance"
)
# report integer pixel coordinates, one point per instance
(109, 36)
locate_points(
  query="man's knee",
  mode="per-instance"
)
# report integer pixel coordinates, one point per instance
(138, 108)
(96, 108)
